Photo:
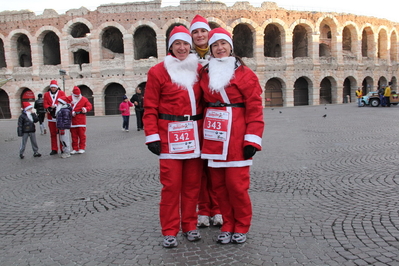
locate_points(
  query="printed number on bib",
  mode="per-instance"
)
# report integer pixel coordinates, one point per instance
(216, 124)
(181, 136)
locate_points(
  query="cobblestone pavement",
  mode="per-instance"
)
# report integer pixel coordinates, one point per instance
(325, 191)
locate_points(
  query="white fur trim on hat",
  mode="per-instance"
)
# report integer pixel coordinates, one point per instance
(61, 101)
(199, 25)
(180, 36)
(221, 36)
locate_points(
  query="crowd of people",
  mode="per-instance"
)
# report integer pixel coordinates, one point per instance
(202, 116)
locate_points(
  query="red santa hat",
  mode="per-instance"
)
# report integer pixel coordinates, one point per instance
(220, 34)
(63, 100)
(76, 91)
(27, 106)
(54, 83)
(199, 22)
(179, 33)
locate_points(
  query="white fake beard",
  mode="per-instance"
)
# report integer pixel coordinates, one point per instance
(29, 114)
(58, 108)
(183, 73)
(76, 99)
(221, 71)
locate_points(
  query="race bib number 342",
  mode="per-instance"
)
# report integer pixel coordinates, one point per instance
(181, 136)
(216, 124)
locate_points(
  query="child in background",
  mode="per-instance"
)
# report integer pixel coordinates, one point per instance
(26, 129)
(124, 107)
(64, 120)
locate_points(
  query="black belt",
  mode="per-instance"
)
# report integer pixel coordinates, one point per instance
(219, 104)
(180, 117)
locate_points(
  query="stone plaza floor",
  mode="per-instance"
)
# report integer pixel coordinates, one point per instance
(325, 191)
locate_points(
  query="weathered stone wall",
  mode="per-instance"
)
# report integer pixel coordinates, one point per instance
(353, 48)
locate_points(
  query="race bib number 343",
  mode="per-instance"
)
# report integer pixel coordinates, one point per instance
(216, 124)
(181, 136)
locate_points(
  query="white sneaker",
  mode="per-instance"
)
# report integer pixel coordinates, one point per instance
(203, 221)
(169, 242)
(73, 152)
(81, 151)
(238, 238)
(127, 130)
(217, 220)
(193, 235)
(224, 238)
(65, 155)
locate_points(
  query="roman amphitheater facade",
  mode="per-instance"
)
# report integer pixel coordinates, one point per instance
(301, 58)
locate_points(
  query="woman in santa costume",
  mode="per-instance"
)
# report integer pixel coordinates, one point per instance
(49, 103)
(80, 106)
(173, 117)
(208, 208)
(233, 128)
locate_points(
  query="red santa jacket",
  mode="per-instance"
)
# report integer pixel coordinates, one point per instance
(79, 118)
(163, 96)
(49, 100)
(246, 127)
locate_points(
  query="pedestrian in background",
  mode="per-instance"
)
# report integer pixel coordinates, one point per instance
(387, 95)
(63, 115)
(41, 113)
(359, 95)
(233, 93)
(26, 129)
(124, 108)
(208, 208)
(138, 101)
(173, 117)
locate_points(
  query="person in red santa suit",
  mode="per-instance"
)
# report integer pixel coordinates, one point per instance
(80, 106)
(50, 103)
(232, 93)
(208, 207)
(172, 118)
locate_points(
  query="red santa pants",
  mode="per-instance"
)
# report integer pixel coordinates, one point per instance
(207, 201)
(52, 126)
(231, 185)
(78, 135)
(179, 195)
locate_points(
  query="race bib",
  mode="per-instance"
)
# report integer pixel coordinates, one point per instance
(181, 136)
(215, 124)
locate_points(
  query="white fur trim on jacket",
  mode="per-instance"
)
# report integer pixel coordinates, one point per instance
(152, 138)
(213, 164)
(253, 138)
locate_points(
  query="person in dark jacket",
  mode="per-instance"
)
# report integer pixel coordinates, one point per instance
(63, 115)
(41, 113)
(137, 99)
(26, 129)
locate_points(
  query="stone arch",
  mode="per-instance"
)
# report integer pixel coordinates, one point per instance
(69, 26)
(51, 49)
(79, 30)
(394, 85)
(382, 50)
(216, 22)
(393, 51)
(5, 112)
(113, 96)
(243, 40)
(274, 40)
(21, 47)
(112, 43)
(349, 41)
(80, 57)
(3, 62)
(145, 43)
(367, 85)
(325, 93)
(382, 82)
(301, 91)
(327, 36)
(349, 88)
(273, 92)
(368, 43)
(301, 39)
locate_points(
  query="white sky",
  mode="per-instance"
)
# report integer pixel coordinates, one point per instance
(388, 9)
